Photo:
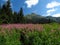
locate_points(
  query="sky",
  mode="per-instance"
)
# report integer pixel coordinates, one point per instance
(41, 7)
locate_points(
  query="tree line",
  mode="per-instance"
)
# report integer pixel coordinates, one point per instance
(7, 16)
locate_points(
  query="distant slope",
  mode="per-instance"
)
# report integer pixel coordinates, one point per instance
(38, 18)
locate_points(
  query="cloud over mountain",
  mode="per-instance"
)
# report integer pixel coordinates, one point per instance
(50, 11)
(52, 4)
(31, 3)
(52, 8)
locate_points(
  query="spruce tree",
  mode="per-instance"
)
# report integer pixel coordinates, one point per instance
(7, 12)
(21, 16)
(15, 20)
(8, 8)
(0, 5)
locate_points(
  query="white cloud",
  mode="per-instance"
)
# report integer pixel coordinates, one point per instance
(31, 2)
(56, 15)
(49, 12)
(53, 4)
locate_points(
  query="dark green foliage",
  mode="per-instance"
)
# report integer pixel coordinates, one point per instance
(7, 15)
(6, 8)
(15, 17)
(0, 9)
(2, 40)
(3, 19)
(6, 12)
(20, 16)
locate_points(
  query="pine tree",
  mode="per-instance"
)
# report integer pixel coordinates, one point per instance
(0, 6)
(8, 8)
(7, 12)
(15, 20)
(21, 16)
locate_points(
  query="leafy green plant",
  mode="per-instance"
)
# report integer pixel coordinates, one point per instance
(48, 36)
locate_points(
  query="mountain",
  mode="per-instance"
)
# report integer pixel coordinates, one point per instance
(35, 18)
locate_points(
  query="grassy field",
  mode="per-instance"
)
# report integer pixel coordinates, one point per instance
(30, 34)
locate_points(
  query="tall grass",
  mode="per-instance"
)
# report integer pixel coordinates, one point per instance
(50, 35)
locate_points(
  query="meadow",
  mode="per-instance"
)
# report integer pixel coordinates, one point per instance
(30, 34)
(18, 28)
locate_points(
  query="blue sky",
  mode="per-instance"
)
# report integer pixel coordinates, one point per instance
(41, 7)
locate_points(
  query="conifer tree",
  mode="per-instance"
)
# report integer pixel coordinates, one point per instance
(15, 20)
(7, 12)
(21, 16)
(0, 8)
(8, 8)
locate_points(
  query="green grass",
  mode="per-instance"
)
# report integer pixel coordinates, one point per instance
(49, 36)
